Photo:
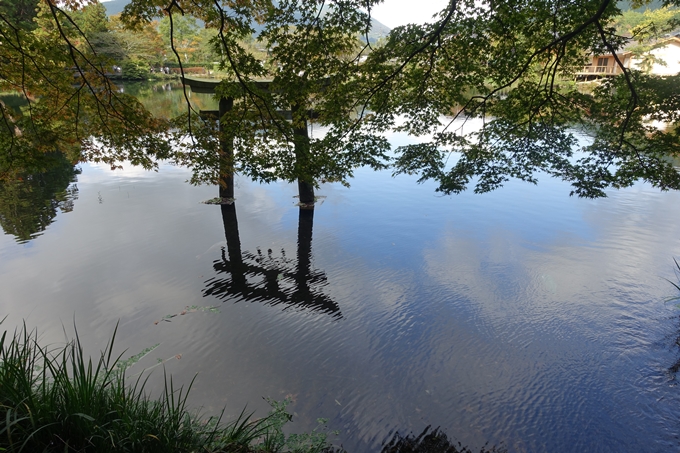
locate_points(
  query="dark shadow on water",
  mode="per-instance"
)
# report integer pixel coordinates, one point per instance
(429, 441)
(30, 201)
(269, 277)
(674, 339)
(675, 367)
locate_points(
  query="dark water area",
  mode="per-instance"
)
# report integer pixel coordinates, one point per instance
(522, 317)
(167, 99)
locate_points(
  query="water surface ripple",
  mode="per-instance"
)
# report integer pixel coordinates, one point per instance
(522, 317)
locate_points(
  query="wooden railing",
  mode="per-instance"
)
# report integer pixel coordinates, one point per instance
(600, 70)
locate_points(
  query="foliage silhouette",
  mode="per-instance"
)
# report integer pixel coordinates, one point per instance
(29, 203)
(429, 441)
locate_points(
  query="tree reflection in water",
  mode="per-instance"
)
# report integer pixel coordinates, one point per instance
(29, 201)
(429, 441)
(675, 367)
(268, 277)
(434, 441)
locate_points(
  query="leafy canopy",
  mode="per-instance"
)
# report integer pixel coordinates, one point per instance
(506, 66)
(71, 106)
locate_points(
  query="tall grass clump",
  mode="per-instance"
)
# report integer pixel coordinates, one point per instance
(57, 400)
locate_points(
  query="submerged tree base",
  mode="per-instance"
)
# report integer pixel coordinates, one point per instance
(220, 201)
(318, 201)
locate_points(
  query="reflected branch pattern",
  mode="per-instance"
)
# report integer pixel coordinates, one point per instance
(430, 441)
(30, 201)
(268, 277)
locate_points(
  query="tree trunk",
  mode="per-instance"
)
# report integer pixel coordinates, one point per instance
(226, 154)
(302, 157)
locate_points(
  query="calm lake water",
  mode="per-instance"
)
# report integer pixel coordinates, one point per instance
(522, 317)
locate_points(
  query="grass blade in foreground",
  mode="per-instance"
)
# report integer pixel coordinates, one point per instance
(54, 399)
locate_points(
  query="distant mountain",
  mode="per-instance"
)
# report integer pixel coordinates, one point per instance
(378, 30)
(626, 5)
(115, 6)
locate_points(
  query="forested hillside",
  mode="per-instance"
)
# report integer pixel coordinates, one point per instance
(378, 29)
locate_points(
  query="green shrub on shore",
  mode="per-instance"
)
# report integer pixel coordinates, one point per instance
(135, 70)
(56, 400)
